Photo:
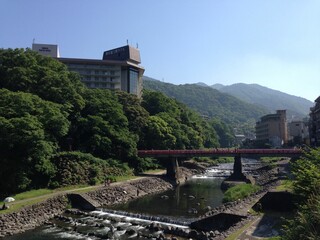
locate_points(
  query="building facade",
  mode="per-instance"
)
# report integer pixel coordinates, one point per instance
(298, 132)
(272, 129)
(314, 124)
(119, 69)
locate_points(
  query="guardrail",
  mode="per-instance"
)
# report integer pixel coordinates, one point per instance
(219, 152)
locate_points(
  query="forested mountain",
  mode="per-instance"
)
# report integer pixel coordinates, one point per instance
(270, 99)
(210, 102)
(56, 132)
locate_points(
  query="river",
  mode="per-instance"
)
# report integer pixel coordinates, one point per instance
(130, 220)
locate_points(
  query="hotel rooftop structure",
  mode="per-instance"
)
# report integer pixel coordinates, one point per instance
(119, 68)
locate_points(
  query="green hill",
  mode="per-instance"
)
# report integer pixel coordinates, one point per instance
(270, 99)
(209, 102)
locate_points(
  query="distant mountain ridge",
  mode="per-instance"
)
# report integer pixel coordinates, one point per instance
(208, 101)
(270, 99)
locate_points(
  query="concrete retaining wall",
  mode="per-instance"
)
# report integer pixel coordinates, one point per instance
(276, 201)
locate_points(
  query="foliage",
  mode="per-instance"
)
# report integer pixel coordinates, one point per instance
(158, 134)
(52, 116)
(306, 223)
(103, 128)
(27, 71)
(29, 132)
(270, 99)
(45, 110)
(239, 192)
(212, 104)
(225, 133)
(306, 172)
(137, 116)
(173, 126)
(285, 185)
(144, 164)
(82, 168)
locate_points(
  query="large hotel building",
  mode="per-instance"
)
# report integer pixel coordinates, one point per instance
(119, 68)
(272, 128)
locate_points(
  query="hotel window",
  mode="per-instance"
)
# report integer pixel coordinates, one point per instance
(133, 81)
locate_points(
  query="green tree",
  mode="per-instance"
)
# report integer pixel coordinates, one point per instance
(137, 116)
(27, 71)
(30, 129)
(103, 127)
(226, 136)
(25, 154)
(306, 172)
(188, 128)
(158, 134)
(52, 116)
(305, 224)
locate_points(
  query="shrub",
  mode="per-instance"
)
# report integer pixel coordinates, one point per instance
(239, 192)
(73, 168)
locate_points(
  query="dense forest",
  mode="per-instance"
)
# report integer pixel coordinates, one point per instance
(272, 100)
(56, 132)
(212, 104)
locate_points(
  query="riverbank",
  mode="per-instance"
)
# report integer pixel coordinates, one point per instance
(38, 214)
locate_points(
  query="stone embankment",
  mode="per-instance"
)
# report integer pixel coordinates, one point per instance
(268, 179)
(32, 216)
(38, 214)
(126, 191)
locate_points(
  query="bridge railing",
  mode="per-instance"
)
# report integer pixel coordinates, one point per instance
(219, 151)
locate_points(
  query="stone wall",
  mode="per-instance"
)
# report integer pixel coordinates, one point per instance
(120, 193)
(36, 215)
(32, 216)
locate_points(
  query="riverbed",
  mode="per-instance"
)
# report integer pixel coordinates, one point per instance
(138, 218)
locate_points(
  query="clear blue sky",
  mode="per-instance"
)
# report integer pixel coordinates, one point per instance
(274, 43)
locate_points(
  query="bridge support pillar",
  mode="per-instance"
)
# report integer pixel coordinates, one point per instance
(237, 174)
(237, 167)
(173, 171)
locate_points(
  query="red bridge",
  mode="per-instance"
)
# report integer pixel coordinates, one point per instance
(220, 152)
(174, 155)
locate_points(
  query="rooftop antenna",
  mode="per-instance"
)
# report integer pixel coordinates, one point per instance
(137, 45)
(33, 40)
(127, 42)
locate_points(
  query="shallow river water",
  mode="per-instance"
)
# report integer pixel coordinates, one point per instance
(176, 207)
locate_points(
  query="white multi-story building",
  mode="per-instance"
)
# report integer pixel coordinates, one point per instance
(118, 70)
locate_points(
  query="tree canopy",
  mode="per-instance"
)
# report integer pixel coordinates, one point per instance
(49, 120)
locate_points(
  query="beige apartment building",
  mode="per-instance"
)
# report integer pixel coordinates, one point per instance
(298, 132)
(119, 68)
(272, 128)
(314, 125)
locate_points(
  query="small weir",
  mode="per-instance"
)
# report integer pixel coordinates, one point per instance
(148, 217)
(144, 217)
